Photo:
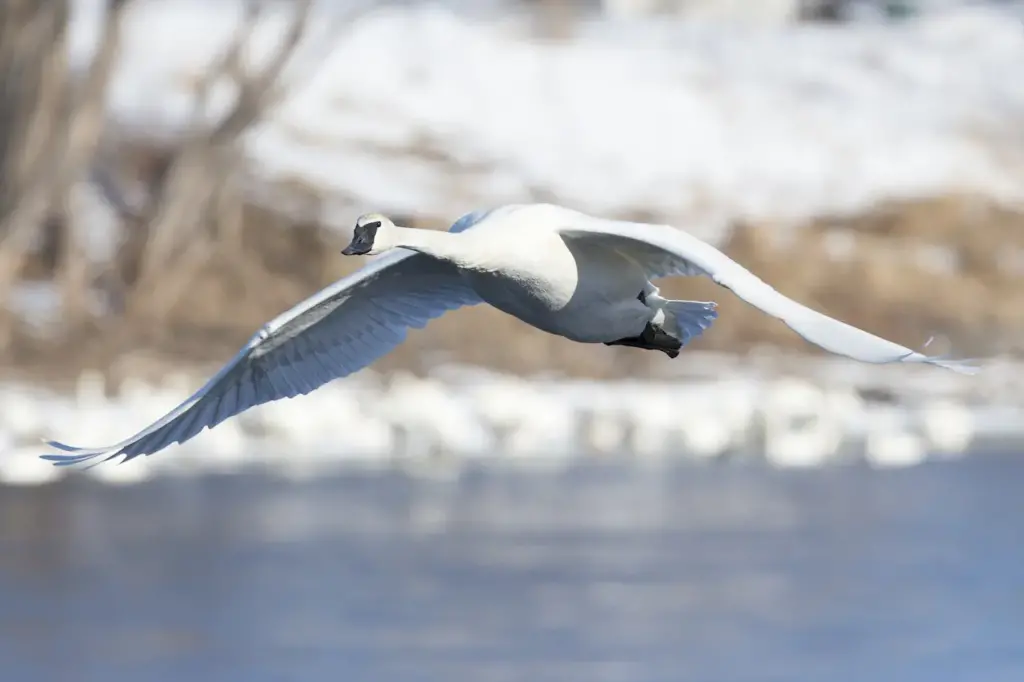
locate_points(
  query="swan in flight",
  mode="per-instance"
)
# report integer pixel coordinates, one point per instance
(570, 274)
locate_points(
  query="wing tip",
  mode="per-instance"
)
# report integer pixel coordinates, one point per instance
(967, 367)
(75, 455)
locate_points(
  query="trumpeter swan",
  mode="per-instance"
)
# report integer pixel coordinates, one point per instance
(584, 278)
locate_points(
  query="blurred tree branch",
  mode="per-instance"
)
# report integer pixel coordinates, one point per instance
(192, 200)
(49, 128)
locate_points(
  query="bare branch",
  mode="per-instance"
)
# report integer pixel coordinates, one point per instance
(193, 192)
(195, 209)
(257, 93)
(230, 63)
(130, 205)
(53, 125)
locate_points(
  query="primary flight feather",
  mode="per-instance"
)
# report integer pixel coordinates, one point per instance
(567, 273)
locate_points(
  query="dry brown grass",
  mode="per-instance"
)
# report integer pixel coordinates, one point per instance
(979, 307)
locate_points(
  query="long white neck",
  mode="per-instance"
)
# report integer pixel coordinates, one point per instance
(444, 246)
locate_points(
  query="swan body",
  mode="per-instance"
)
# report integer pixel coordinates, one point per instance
(584, 278)
(563, 292)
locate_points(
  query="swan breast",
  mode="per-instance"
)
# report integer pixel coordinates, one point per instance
(582, 292)
(537, 272)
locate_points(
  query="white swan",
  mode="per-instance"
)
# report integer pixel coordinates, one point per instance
(564, 272)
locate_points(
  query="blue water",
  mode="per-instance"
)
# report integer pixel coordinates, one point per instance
(608, 572)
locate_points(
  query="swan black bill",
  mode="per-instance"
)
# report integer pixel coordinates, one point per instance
(362, 239)
(356, 250)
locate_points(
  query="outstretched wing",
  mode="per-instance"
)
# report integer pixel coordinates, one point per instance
(332, 334)
(667, 251)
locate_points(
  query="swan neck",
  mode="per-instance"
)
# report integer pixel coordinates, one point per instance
(440, 245)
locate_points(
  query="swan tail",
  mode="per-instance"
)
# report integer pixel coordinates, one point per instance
(689, 319)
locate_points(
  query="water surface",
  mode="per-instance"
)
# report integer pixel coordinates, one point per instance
(610, 572)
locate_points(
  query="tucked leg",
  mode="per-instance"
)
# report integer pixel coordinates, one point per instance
(652, 338)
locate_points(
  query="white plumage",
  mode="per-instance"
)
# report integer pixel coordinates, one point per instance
(583, 278)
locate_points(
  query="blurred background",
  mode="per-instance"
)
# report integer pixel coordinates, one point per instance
(490, 503)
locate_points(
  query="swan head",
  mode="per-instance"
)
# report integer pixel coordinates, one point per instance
(370, 236)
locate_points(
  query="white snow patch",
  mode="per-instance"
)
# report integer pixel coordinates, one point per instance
(424, 110)
(821, 411)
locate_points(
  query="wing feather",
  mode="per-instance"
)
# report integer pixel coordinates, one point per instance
(667, 251)
(330, 335)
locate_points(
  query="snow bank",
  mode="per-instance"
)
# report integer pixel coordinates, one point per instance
(718, 407)
(422, 110)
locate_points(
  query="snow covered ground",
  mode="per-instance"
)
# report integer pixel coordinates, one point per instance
(815, 413)
(423, 110)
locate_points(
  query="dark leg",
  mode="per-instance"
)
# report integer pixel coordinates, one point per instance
(652, 338)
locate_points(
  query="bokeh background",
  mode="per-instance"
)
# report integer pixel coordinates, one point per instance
(490, 502)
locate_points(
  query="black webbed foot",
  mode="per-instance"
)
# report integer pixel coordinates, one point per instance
(651, 338)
